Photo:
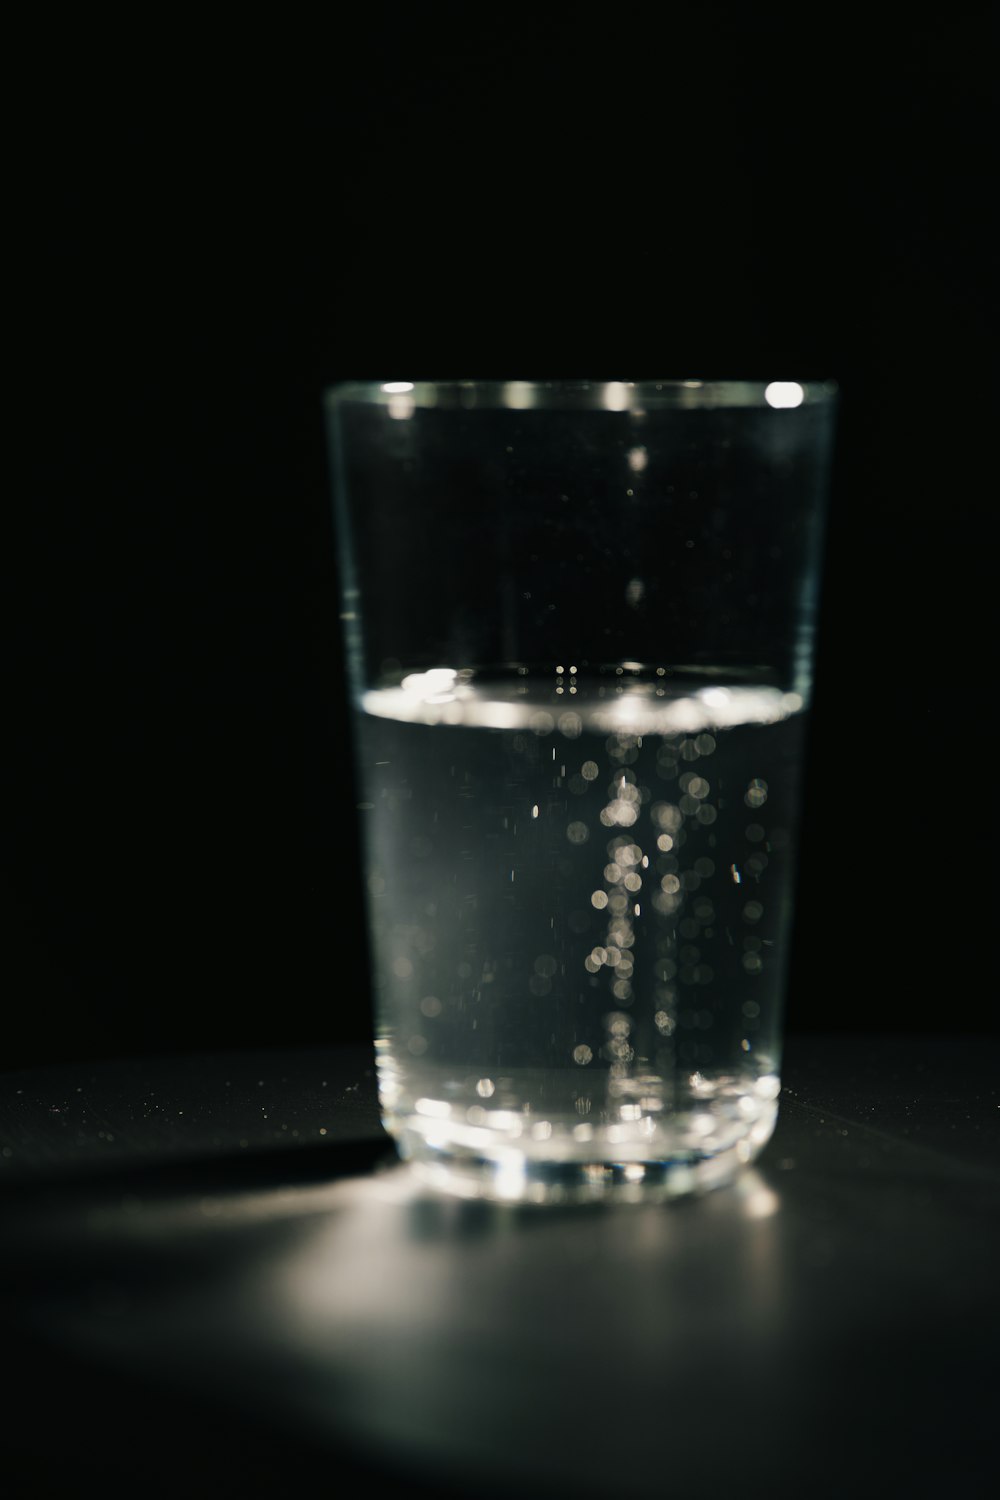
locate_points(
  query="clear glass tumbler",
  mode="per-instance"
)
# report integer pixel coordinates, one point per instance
(579, 624)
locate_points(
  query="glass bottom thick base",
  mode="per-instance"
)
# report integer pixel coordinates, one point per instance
(652, 1170)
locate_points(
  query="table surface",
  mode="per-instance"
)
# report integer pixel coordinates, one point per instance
(217, 1279)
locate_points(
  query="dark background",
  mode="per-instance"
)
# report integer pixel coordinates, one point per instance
(210, 230)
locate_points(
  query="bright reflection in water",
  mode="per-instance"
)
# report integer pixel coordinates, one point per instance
(518, 395)
(509, 1180)
(615, 396)
(432, 686)
(435, 1107)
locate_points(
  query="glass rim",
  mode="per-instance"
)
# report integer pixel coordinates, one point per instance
(583, 395)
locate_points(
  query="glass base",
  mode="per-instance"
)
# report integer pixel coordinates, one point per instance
(652, 1170)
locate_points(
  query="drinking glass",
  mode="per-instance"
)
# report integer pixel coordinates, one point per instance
(579, 622)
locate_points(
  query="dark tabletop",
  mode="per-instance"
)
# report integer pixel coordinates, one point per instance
(215, 1279)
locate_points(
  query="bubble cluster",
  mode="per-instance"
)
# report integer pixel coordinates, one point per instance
(675, 883)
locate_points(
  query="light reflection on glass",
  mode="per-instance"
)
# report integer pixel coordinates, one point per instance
(784, 393)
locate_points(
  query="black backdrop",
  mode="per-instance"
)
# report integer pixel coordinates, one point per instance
(212, 229)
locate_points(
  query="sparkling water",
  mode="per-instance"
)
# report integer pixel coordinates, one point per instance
(579, 889)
